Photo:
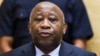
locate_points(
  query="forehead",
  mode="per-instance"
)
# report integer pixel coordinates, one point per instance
(47, 7)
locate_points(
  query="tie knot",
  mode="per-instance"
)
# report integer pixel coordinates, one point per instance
(46, 55)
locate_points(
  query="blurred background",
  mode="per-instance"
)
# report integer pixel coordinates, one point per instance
(1, 2)
(93, 9)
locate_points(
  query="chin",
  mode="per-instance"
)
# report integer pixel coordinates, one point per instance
(46, 43)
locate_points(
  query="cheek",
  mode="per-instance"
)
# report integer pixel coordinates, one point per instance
(33, 28)
(34, 33)
(58, 27)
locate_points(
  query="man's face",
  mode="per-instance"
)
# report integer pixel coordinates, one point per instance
(47, 26)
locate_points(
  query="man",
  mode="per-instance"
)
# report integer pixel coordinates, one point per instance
(47, 26)
(14, 15)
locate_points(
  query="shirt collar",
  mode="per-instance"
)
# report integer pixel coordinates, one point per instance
(55, 52)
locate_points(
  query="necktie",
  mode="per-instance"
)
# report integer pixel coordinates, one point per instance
(42, 0)
(46, 55)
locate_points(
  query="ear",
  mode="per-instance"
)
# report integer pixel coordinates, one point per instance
(64, 28)
(29, 27)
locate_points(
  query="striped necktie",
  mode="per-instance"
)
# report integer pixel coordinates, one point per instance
(46, 55)
(42, 0)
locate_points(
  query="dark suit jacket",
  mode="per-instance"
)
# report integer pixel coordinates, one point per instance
(65, 50)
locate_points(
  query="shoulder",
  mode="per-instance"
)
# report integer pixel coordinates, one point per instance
(17, 51)
(81, 52)
(75, 51)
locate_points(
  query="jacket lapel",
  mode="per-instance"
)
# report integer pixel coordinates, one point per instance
(65, 49)
(28, 50)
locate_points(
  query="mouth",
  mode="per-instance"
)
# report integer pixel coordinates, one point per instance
(45, 34)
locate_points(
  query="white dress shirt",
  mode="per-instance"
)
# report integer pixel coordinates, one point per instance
(55, 52)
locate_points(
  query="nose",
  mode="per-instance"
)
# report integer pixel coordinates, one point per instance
(45, 24)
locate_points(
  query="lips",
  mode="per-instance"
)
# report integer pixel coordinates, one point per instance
(44, 34)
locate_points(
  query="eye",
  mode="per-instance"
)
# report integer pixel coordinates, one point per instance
(52, 18)
(39, 18)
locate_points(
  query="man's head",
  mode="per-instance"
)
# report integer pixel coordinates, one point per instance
(47, 25)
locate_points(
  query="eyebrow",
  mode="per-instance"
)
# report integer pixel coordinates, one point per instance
(51, 13)
(41, 12)
(38, 13)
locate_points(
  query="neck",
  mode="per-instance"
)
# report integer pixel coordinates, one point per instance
(47, 49)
